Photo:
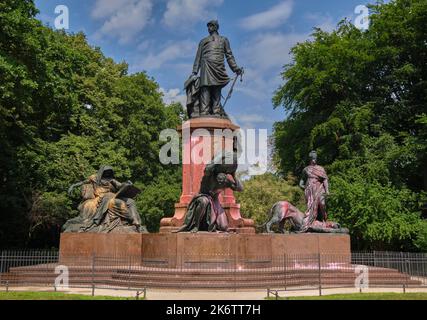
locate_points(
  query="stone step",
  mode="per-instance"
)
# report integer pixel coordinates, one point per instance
(247, 284)
(197, 266)
(205, 274)
(138, 276)
(217, 284)
(260, 279)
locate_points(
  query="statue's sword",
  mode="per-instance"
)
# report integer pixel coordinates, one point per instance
(232, 87)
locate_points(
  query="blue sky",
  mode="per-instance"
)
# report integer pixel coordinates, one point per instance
(161, 38)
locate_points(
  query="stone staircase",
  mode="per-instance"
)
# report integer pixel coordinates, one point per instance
(135, 276)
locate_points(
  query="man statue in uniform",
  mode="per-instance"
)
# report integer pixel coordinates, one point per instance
(213, 76)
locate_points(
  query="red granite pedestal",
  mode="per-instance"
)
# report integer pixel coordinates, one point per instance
(195, 134)
(175, 250)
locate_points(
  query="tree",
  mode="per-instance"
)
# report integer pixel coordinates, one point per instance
(358, 98)
(379, 217)
(158, 199)
(65, 110)
(263, 191)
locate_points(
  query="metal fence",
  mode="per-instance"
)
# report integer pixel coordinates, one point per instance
(193, 271)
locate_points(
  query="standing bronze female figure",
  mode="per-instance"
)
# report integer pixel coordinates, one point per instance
(315, 183)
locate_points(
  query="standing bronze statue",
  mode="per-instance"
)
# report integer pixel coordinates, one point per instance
(315, 183)
(107, 205)
(205, 212)
(204, 92)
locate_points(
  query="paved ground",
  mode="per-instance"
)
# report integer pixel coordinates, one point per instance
(156, 294)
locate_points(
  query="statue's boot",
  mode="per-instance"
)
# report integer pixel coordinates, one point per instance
(220, 112)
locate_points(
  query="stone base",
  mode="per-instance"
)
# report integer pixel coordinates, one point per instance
(100, 244)
(245, 230)
(236, 222)
(175, 250)
(192, 172)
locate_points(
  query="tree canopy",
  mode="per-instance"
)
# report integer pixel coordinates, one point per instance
(359, 98)
(65, 110)
(262, 192)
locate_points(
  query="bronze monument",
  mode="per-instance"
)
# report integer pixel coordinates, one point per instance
(204, 92)
(205, 212)
(107, 205)
(315, 183)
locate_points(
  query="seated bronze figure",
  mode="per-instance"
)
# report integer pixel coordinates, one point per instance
(107, 205)
(205, 212)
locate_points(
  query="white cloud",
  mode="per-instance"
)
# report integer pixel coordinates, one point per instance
(184, 13)
(184, 68)
(251, 120)
(105, 8)
(266, 53)
(322, 21)
(270, 50)
(263, 58)
(269, 19)
(173, 51)
(123, 19)
(173, 95)
(254, 117)
(144, 45)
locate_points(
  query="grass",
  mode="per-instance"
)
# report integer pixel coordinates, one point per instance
(362, 296)
(27, 295)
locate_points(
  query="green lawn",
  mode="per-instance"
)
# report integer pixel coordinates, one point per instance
(362, 296)
(24, 295)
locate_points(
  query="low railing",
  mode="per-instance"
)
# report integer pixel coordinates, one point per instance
(288, 272)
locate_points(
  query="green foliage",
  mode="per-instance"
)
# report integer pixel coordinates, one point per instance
(421, 241)
(362, 296)
(359, 99)
(35, 295)
(66, 109)
(159, 197)
(379, 217)
(261, 192)
(48, 212)
(348, 83)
